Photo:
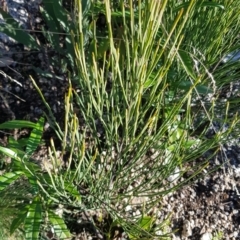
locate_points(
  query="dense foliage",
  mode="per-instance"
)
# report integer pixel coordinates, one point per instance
(149, 74)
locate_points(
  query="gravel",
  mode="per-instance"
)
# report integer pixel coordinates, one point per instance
(202, 210)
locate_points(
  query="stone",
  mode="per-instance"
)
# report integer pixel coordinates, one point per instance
(187, 229)
(206, 236)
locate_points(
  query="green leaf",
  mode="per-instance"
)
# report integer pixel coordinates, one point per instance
(33, 220)
(212, 4)
(103, 47)
(198, 5)
(46, 73)
(59, 226)
(187, 63)
(186, 85)
(17, 144)
(86, 5)
(59, 20)
(188, 144)
(8, 178)
(35, 137)
(17, 124)
(53, 29)
(10, 153)
(25, 167)
(176, 134)
(19, 219)
(72, 190)
(60, 16)
(150, 81)
(70, 51)
(146, 222)
(13, 29)
(201, 89)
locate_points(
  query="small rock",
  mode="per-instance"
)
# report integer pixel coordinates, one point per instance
(235, 234)
(175, 237)
(187, 230)
(17, 89)
(128, 208)
(136, 213)
(174, 176)
(191, 213)
(235, 211)
(206, 236)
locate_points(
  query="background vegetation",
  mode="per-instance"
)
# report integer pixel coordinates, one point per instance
(150, 74)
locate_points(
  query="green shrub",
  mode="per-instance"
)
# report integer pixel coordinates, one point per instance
(130, 128)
